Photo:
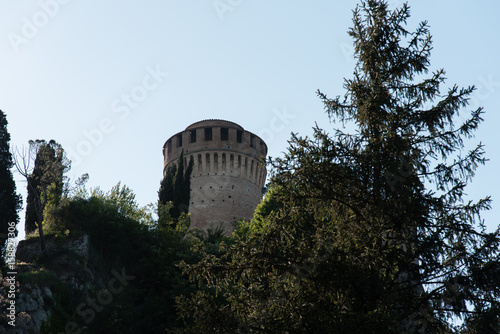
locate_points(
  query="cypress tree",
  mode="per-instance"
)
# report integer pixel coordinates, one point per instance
(178, 190)
(50, 166)
(186, 185)
(165, 193)
(175, 188)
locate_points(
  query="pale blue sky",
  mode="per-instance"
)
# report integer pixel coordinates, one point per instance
(67, 67)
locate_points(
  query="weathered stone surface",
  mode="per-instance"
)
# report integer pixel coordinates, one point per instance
(31, 310)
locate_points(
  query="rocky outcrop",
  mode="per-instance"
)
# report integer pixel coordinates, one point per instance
(28, 250)
(37, 285)
(32, 309)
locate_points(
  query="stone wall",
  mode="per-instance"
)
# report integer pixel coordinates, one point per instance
(28, 249)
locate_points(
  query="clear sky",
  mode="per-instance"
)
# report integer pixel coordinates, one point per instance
(111, 81)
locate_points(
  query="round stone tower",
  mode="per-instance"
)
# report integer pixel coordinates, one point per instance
(228, 174)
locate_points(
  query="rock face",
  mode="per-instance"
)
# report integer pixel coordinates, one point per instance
(34, 300)
(33, 308)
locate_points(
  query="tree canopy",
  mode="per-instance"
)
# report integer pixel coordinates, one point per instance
(123, 235)
(372, 232)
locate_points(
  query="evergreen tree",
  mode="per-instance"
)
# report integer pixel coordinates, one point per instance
(361, 242)
(10, 202)
(48, 173)
(176, 188)
(178, 205)
(166, 192)
(186, 184)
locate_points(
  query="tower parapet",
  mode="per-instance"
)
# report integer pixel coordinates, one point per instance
(228, 174)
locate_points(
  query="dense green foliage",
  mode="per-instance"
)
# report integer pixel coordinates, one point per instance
(124, 236)
(10, 202)
(176, 188)
(45, 183)
(371, 234)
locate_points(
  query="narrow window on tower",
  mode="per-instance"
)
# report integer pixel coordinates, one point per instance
(208, 133)
(224, 134)
(179, 140)
(193, 136)
(239, 136)
(252, 139)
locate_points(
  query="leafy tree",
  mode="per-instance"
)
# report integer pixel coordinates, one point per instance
(123, 198)
(10, 202)
(45, 180)
(269, 204)
(372, 233)
(176, 188)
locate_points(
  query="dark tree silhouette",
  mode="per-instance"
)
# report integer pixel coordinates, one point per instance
(372, 233)
(176, 188)
(10, 201)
